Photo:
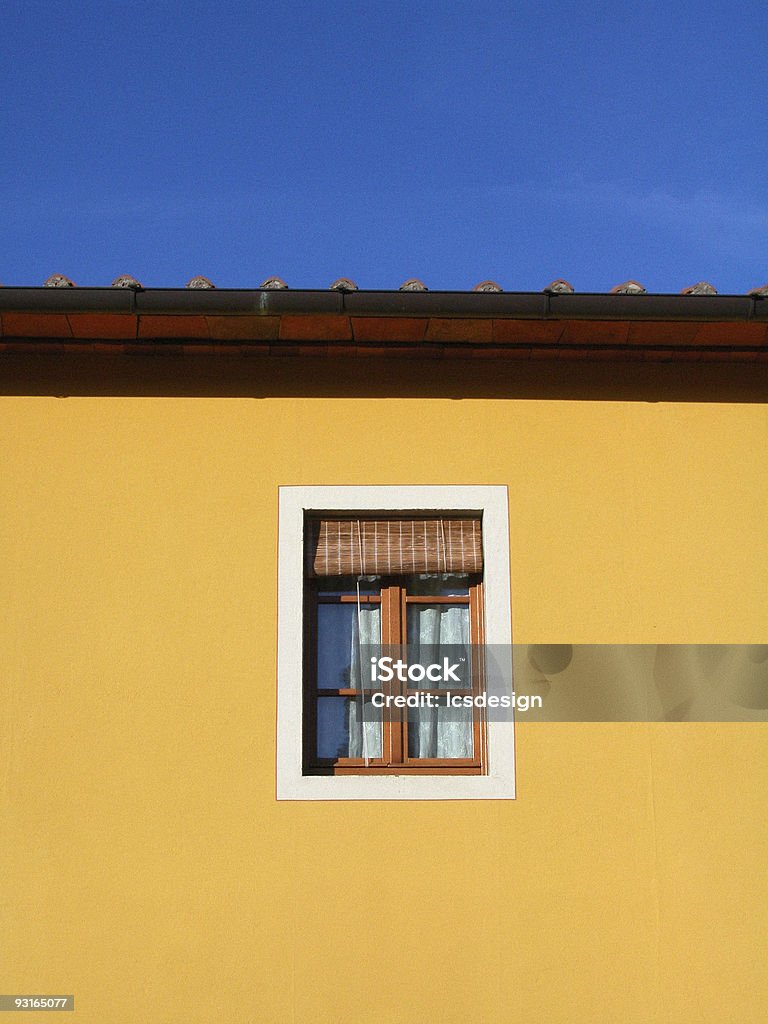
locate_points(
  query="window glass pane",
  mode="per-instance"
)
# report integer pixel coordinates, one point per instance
(432, 625)
(333, 586)
(438, 585)
(440, 732)
(348, 727)
(346, 638)
(436, 632)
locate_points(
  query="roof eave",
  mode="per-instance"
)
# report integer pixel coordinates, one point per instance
(524, 305)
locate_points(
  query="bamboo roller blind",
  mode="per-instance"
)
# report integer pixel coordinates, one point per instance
(385, 547)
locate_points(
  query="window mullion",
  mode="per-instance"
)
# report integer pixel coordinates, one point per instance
(391, 634)
(402, 641)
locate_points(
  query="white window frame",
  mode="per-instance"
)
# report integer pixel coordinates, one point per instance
(294, 503)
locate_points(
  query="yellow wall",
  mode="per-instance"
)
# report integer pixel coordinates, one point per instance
(146, 866)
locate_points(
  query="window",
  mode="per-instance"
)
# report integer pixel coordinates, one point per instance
(386, 596)
(385, 645)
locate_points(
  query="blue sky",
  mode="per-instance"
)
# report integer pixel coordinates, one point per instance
(443, 140)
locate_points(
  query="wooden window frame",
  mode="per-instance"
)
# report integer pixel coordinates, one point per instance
(394, 599)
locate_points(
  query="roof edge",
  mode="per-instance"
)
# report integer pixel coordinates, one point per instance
(447, 304)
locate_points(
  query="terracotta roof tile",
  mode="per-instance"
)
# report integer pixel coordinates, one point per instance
(740, 335)
(389, 328)
(659, 333)
(36, 325)
(629, 288)
(701, 288)
(450, 329)
(595, 332)
(346, 284)
(559, 287)
(244, 328)
(102, 325)
(526, 332)
(173, 326)
(315, 327)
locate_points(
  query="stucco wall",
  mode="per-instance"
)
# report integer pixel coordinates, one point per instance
(147, 867)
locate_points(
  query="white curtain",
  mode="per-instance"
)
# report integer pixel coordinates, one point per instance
(363, 719)
(439, 732)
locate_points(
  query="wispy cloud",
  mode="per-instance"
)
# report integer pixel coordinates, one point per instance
(725, 223)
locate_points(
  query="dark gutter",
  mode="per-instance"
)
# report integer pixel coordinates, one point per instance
(512, 305)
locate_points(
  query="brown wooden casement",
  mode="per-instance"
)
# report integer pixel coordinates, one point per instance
(385, 563)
